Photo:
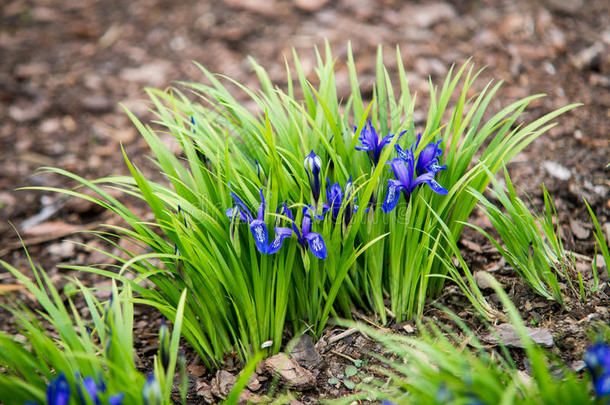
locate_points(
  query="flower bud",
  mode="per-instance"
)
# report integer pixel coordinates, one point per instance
(313, 165)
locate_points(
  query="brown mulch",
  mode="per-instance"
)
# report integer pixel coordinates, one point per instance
(66, 66)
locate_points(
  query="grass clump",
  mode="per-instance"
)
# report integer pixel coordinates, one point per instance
(442, 366)
(78, 361)
(531, 243)
(243, 224)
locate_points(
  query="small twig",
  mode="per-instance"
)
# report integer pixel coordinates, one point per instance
(580, 256)
(344, 334)
(9, 247)
(345, 356)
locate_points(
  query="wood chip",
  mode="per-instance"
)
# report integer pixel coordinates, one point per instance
(472, 245)
(6, 288)
(222, 383)
(510, 338)
(290, 372)
(306, 354)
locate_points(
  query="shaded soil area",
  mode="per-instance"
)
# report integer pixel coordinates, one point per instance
(66, 66)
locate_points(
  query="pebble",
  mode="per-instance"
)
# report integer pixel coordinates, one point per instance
(578, 229)
(63, 250)
(482, 280)
(426, 15)
(97, 103)
(153, 73)
(588, 58)
(556, 170)
(310, 5)
(564, 6)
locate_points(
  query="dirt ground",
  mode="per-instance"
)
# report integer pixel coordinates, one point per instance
(66, 65)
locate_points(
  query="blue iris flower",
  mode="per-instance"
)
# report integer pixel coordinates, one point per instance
(406, 181)
(334, 200)
(58, 391)
(427, 160)
(597, 360)
(313, 165)
(305, 237)
(257, 225)
(371, 143)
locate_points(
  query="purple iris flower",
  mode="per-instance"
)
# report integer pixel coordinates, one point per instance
(597, 360)
(305, 237)
(334, 200)
(313, 165)
(427, 160)
(257, 225)
(371, 143)
(407, 182)
(58, 391)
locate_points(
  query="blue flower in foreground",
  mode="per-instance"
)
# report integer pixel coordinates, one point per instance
(92, 389)
(116, 399)
(257, 225)
(597, 360)
(305, 237)
(334, 200)
(151, 392)
(405, 182)
(164, 344)
(371, 143)
(386, 402)
(58, 391)
(313, 165)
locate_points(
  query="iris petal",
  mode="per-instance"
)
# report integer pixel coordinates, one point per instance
(58, 391)
(392, 195)
(242, 206)
(424, 178)
(602, 385)
(235, 211)
(400, 169)
(281, 233)
(437, 188)
(261, 207)
(91, 388)
(316, 245)
(116, 399)
(261, 238)
(428, 156)
(404, 154)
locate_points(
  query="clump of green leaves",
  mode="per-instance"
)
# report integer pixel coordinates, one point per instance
(241, 290)
(530, 242)
(80, 361)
